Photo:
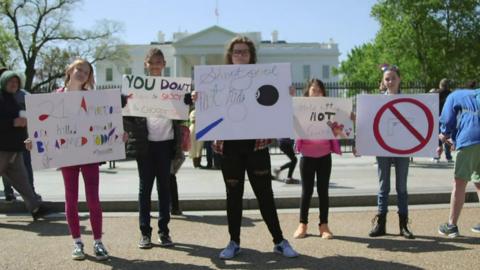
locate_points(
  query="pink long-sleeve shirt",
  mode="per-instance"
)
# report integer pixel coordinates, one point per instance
(317, 148)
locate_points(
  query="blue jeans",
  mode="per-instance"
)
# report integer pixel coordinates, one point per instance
(155, 165)
(401, 173)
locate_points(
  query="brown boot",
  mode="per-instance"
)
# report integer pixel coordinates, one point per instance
(325, 232)
(196, 162)
(301, 231)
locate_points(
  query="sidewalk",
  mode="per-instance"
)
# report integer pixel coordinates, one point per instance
(354, 182)
(200, 236)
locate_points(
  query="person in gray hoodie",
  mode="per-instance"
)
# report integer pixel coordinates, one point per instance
(27, 160)
(12, 145)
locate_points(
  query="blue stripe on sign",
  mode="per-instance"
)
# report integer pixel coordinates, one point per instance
(204, 131)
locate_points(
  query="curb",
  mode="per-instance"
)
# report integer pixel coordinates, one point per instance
(210, 204)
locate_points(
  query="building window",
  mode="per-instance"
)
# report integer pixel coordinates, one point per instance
(326, 72)
(306, 72)
(109, 74)
(166, 72)
(128, 71)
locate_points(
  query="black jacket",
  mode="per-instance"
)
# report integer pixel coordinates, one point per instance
(137, 144)
(136, 127)
(11, 138)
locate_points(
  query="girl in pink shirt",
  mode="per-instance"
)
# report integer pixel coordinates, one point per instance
(316, 160)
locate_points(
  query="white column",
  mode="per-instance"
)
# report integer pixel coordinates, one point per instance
(203, 60)
(178, 66)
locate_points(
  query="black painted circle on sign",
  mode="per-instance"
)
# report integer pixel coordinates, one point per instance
(267, 95)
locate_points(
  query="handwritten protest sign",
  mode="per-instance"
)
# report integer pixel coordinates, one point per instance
(159, 97)
(74, 128)
(243, 102)
(397, 125)
(322, 118)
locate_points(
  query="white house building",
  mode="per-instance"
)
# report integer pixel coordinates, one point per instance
(207, 47)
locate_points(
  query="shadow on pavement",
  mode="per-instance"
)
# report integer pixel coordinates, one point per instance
(444, 166)
(335, 185)
(220, 220)
(44, 227)
(253, 259)
(417, 245)
(117, 263)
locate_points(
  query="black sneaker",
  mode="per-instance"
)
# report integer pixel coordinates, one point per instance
(10, 198)
(40, 212)
(448, 230)
(165, 240)
(291, 181)
(145, 242)
(176, 212)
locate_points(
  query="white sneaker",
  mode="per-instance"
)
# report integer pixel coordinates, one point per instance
(230, 251)
(285, 249)
(100, 251)
(77, 253)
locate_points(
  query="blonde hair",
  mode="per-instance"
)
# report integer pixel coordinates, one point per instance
(90, 83)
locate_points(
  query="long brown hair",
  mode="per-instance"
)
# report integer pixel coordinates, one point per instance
(90, 83)
(320, 85)
(244, 40)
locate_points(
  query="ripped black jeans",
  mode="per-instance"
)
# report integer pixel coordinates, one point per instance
(257, 165)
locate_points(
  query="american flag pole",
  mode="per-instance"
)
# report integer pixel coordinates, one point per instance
(216, 10)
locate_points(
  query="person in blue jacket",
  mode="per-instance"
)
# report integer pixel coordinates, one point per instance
(460, 126)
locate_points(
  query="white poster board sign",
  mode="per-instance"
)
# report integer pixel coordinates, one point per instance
(397, 125)
(243, 102)
(322, 118)
(159, 97)
(73, 128)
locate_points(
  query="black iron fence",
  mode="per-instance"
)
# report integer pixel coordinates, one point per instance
(334, 89)
(351, 89)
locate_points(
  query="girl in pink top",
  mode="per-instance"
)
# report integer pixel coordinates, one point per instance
(316, 160)
(79, 77)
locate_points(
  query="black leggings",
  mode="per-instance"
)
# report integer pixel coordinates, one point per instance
(287, 149)
(257, 165)
(322, 167)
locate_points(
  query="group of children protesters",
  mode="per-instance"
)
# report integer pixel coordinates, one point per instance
(156, 145)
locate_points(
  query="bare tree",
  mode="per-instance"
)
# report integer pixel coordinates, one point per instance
(45, 37)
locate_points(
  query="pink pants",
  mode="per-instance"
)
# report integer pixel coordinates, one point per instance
(90, 173)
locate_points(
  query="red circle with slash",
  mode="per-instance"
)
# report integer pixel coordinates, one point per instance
(390, 106)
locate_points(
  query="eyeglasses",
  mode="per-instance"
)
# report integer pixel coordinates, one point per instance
(155, 63)
(387, 67)
(243, 52)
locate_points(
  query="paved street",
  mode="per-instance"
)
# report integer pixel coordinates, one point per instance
(200, 236)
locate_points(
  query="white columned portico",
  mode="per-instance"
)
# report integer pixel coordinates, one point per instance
(207, 47)
(178, 66)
